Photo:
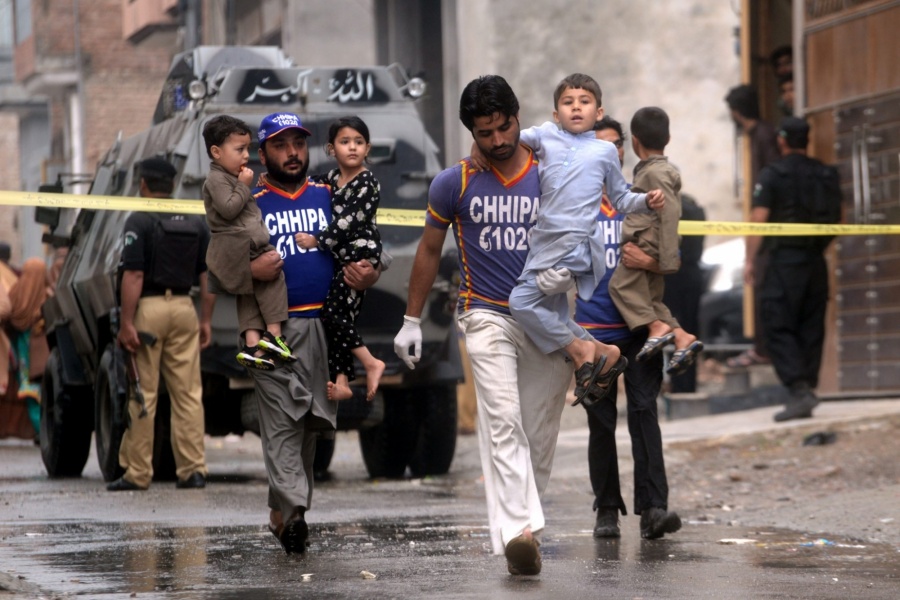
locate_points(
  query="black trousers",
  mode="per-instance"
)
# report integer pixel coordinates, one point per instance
(642, 384)
(682, 296)
(794, 300)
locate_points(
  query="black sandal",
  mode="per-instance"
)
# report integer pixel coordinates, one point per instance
(604, 384)
(684, 358)
(585, 376)
(653, 345)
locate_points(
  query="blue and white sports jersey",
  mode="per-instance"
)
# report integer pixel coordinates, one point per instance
(491, 218)
(599, 316)
(307, 273)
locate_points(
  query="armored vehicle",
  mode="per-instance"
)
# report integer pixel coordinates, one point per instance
(412, 421)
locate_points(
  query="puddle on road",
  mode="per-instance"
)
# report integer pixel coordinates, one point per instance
(437, 557)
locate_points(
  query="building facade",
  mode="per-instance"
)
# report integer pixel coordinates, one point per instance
(95, 67)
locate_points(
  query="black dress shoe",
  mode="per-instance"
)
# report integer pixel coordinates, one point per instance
(523, 557)
(123, 485)
(195, 480)
(656, 522)
(294, 536)
(800, 406)
(607, 524)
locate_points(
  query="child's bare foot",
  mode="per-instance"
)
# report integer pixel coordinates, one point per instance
(339, 391)
(374, 371)
(683, 339)
(611, 352)
(580, 351)
(658, 329)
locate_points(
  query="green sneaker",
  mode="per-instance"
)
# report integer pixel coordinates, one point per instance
(248, 359)
(277, 347)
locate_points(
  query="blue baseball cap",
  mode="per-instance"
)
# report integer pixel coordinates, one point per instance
(278, 122)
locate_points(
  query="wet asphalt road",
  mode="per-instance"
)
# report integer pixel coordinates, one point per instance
(418, 538)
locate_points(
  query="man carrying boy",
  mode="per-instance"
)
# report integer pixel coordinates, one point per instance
(574, 167)
(239, 236)
(643, 379)
(294, 409)
(520, 388)
(638, 293)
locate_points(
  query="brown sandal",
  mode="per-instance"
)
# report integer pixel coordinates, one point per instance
(747, 358)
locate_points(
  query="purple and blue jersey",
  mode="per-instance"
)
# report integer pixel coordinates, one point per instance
(599, 316)
(307, 272)
(491, 217)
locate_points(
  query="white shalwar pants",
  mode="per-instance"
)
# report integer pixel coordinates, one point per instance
(521, 393)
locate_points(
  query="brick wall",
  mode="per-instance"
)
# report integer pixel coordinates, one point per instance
(121, 81)
(9, 179)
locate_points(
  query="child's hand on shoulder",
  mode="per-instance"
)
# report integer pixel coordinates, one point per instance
(478, 160)
(656, 199)
(246, 176)
(305, 240)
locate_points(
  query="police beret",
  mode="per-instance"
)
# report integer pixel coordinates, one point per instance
(795, 130)
(157, 168)
(793, 126)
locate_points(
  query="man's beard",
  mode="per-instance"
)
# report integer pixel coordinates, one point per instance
(276, 173)
(501, 153)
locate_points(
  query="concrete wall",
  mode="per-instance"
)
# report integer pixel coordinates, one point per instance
(330, 32)
(680, 56)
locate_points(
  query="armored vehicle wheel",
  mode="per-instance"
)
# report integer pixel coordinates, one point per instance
(66, 423)
(109, 415)
(388, 446)
(436, 408)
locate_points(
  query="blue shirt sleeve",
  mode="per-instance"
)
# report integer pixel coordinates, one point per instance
(531, 137)
(443, 197)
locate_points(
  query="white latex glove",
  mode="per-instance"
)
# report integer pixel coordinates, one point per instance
(409, 335)
(553, 281)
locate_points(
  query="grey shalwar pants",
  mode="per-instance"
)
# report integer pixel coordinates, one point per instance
(294, 411)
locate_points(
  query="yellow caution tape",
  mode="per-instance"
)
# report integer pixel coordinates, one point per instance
(403, 217)
(86, 202)
(777, 229)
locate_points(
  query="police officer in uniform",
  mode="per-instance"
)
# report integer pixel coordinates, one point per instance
(794, 292)
(155, 300)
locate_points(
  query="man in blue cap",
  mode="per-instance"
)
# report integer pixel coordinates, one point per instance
(294, 409)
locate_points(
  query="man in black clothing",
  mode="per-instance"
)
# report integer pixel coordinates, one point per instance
(642, 384)
(684, 288)
(743, 102)
(794, 288)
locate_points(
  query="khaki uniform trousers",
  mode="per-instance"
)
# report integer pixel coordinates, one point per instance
(521, 394)
(175, 356)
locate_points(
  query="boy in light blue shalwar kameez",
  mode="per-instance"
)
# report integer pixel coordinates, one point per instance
(566, 241)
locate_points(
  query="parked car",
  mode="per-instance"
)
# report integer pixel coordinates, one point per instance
(722, 304)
